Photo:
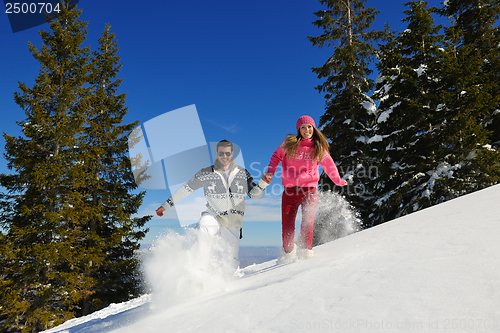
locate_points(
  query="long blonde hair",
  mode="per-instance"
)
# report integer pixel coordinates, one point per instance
(321, 145)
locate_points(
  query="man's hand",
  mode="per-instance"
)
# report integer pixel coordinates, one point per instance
(160, 211)
(267, 177)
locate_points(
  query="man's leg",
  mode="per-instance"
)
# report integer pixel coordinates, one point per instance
(208, 227)
(209, 224)
(232, 238)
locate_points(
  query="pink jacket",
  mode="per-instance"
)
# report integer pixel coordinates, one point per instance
(303, 171)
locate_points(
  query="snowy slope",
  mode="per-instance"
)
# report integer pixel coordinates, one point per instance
(437, 270)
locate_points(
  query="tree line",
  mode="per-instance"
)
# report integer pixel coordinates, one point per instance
(69, 236)
(429, 124)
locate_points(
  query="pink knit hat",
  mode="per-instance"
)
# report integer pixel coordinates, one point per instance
(305, 120)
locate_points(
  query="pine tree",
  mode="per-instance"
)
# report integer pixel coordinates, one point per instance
(350, 112)
(108, 192)
(64, 228)
(470, 89)
(474, 21)
(43, 276)
(404, 136)
(434, 131)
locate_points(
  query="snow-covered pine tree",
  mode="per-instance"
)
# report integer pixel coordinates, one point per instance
(474, 23)
(108, 197)
(404, 138)
(56, 238)
(350, 112)
(470, 89)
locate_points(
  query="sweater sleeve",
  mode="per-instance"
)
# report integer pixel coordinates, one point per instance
(255, 191)
(331, 170)
(277, 157)
(182, 192)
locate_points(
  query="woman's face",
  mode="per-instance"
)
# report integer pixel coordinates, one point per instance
(306, 130)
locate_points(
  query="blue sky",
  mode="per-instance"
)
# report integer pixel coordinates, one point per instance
(246, 65)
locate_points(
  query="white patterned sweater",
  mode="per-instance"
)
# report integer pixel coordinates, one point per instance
(224, 199)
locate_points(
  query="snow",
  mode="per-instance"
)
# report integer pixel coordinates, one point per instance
(443, 170)
(435, 270)
(375, 138)
(421, 70)
(369, 105)
(385, 115)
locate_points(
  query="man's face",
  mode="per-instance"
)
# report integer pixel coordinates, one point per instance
(226, 157)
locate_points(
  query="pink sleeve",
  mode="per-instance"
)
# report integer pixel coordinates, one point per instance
(277, 157)
(331, 170)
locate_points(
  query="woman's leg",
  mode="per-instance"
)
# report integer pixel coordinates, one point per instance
(309, 207)
(289, 206)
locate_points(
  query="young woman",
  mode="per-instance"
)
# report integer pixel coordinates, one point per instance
(300, 156)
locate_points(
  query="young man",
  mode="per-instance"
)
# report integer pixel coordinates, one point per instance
(225, 185)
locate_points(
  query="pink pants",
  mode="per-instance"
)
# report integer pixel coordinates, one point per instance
(293, 197)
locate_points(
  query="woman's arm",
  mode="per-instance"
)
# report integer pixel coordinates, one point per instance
(331, 170)
(276, 158)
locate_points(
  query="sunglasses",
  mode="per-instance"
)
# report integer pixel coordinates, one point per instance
(221, 153)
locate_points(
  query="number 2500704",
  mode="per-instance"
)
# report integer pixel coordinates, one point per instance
(31, 8)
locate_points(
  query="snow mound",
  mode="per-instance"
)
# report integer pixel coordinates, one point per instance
(431, 271)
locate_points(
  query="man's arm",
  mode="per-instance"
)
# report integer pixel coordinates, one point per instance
(178, 195)
(192, 185)
(255, 191)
